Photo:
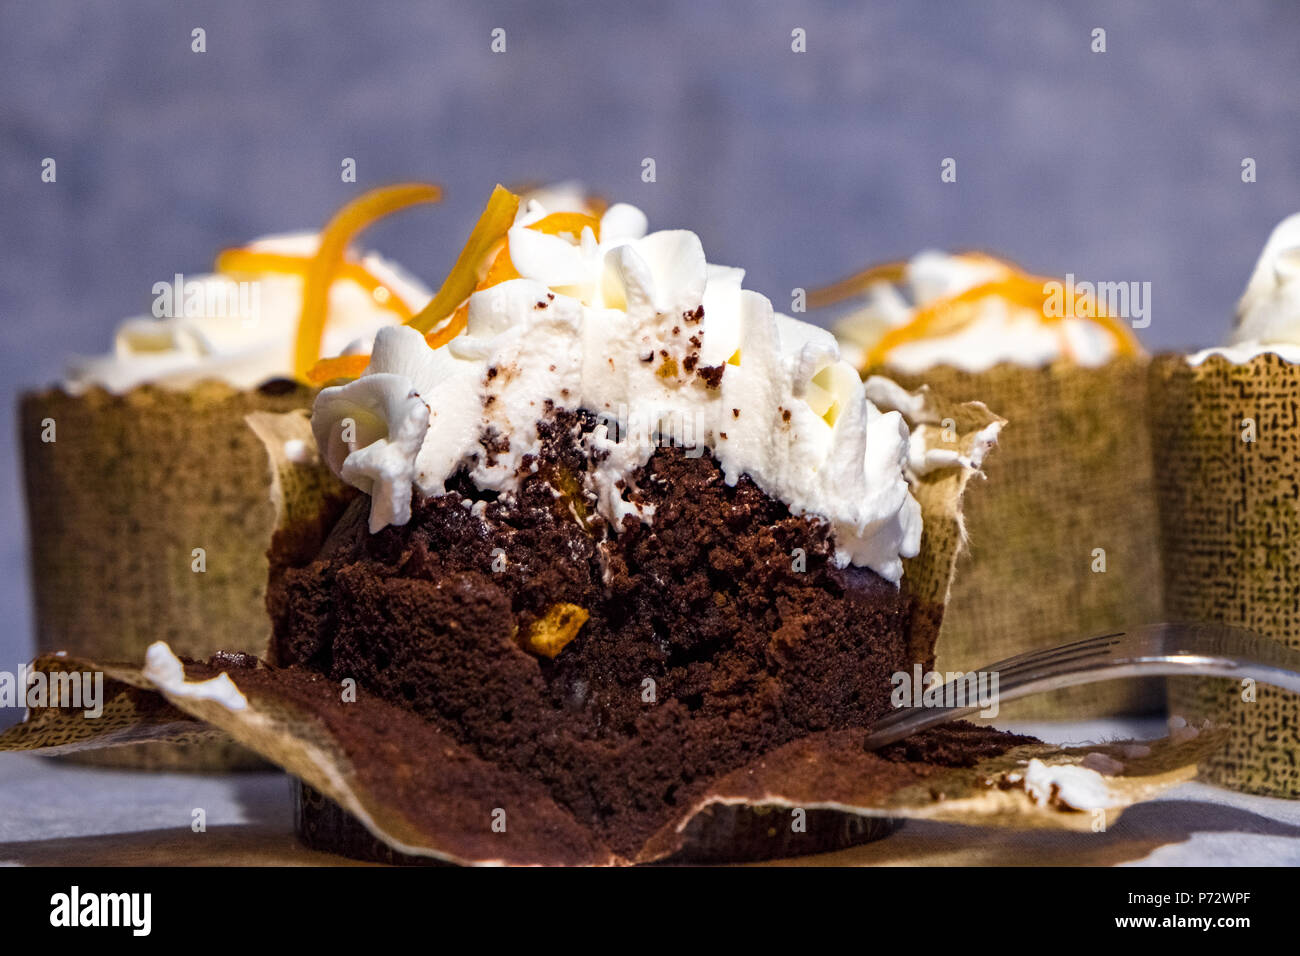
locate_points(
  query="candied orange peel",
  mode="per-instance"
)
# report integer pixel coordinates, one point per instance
(894, 272)
(483, 262)
(443, 311)
(567, 223)
(488, 243)
(554, 630)
(951, 314)
(245, 261)
(341, 366)
(326, 264)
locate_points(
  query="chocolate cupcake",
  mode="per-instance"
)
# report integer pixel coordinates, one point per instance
(624, 529)
(1061, 538)
(148, 496)
(1226, 437)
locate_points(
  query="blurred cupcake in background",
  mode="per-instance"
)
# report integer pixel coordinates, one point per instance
(568, 195)
(1225, 430)
(1062, 535)
(148, 496)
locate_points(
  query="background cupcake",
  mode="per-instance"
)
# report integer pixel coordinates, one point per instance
(148, 496)
(1061, 537)
(1226, 437)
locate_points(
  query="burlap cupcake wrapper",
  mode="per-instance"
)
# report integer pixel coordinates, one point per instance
(149, 518)
(1069, 491)
(1227, 440)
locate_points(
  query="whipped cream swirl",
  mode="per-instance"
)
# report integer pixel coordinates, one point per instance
(1268, 313)
(635, 328)
(243, 334)
(1002, 331)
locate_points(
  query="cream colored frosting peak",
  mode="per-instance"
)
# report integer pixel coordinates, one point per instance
(1268, 313)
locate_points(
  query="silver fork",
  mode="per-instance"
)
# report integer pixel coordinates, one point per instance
(1159, 649)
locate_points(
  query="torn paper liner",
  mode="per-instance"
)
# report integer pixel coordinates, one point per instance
(719, 834)
(418, 793)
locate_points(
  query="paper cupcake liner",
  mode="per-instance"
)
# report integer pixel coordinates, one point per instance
(720, 834)
(117, 504)
(1230, 533)
(207, 756)
(1072, 474)
(421, 795)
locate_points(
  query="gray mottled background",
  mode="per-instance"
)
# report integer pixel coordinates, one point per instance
(1118, 166)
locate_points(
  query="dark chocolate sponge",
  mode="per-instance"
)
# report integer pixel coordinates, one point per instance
(714, 634)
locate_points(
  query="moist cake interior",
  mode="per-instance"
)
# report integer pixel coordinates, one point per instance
(707, 641)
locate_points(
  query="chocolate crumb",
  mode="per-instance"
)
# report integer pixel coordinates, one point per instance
(711, 374)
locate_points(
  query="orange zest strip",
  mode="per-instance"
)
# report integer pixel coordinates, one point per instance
(343, 366)
(252, 261)
(325, 265)
(951, 314)
(502, 268)
(894, 272)
(839, 291)
(491, 229)
(572, 223)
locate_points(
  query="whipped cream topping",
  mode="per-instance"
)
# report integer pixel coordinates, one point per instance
(568, 195)
(1268, 313)
(241, 329)
(640, 330)
(1074, 786)
(164, 669)
(1001, 332)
